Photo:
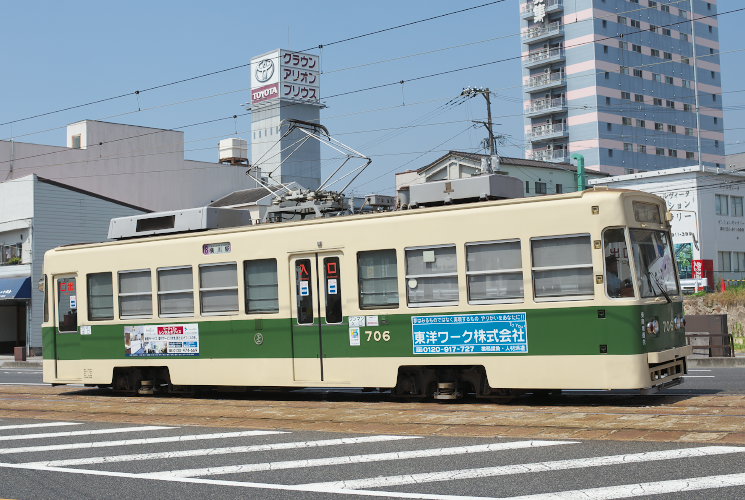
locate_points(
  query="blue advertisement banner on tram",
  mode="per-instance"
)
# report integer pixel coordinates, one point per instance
(487, 333)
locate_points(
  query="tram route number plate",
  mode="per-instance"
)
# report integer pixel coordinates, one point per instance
(485, 333)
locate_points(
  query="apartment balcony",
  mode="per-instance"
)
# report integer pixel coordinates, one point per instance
(527, 9)
(545, 81)
(547, 131)
(552, 155)
(541, 32)
(539, 107)
(543, 56)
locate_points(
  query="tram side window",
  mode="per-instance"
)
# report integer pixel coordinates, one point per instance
(494, 270)
(67, 307)
(332, 279)
(562, 266)
(432, 275)
(135, 294)
(618, 281)
(100, 297)
(262, 294)
(175, 291)
(377, 272)
(218, 288)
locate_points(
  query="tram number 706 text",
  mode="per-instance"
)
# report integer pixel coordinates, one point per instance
(377, 335)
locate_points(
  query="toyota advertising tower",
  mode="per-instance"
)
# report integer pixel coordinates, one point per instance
(285, 85)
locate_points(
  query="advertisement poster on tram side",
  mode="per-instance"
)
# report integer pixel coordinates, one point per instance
(487, 333)
(161, 340)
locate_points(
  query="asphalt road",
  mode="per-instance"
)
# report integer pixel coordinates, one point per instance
(52, 460)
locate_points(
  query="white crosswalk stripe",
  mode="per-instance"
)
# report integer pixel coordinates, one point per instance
(133, 442)
(31, 426)
(358, 459)
(219, 451)
(429, 477)
(119, 430)
(380, 486)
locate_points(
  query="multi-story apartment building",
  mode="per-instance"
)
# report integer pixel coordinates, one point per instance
(629, 84)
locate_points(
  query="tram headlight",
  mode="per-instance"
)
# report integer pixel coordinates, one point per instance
(653, 327)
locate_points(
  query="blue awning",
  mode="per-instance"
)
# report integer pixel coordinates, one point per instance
(15, 288)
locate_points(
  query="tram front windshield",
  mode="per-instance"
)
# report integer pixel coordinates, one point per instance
(655, 267)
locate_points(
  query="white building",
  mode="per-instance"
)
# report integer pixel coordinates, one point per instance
(36, 215)
(708, 218)
(138, 165)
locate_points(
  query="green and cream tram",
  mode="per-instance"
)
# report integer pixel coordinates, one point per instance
(573, 291)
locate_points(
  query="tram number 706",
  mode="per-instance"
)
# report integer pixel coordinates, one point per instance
(377, 336)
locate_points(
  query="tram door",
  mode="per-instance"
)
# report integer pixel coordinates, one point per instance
(317, 304)
(66, 337)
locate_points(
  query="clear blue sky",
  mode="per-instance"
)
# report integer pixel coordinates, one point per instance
(60, 54)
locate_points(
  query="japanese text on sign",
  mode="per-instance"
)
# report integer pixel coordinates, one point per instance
(161, 340)
(470, 333)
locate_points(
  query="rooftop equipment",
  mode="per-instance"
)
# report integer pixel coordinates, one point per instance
(177, 221)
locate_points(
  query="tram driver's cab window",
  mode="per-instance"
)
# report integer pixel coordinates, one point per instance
(67, 305)
(432, 275)
(618, 282)
(562, 267)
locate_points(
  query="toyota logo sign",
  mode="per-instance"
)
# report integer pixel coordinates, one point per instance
(264, 70)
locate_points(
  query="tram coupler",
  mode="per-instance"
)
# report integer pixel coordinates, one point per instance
(447, 390)
(658, 388)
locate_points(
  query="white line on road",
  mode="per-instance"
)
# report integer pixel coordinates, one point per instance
(699, 376)
(358, 459)
(132, 442)
(651, 488)
(35, 383)
(85, 433)
(46, 424)
(578, 463)
(710, 482)
(219, 451)
(699, 370)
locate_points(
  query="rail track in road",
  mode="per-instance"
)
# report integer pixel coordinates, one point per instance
(711, 418)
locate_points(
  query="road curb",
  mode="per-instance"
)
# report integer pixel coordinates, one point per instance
(21, 364)
(716, 362)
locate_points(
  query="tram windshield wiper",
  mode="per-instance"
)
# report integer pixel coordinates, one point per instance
(659, 285)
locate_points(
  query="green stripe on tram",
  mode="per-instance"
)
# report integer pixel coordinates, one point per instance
(563, 331)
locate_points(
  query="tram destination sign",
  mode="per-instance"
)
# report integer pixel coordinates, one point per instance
(485, 333)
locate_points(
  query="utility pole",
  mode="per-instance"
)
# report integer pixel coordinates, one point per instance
(472, 91)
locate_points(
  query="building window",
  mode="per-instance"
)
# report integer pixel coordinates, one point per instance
(135, 294)
(625, 120)
(638, 98)
(684, 59)
(607, 99)
(100, 297)
(652, 3)
(262, 294)
(711, 30)
(725, 262)
(666, 31)
(736, 207)
(620, 19)
(626, 95)
(672, 128)
(562, 266)
(527, 186)
(684, 37)
(659, 151)
(218, 288)
(638, 73)
(11, 254)
(432, 275)
(714, 97)
(653, 28)
(624, 70)
(604, 23)
(669, 80)
(665, 8)
(641, 148)
(672, 152)
(659, 126)
(688, 131)
(670, 104)
(716, 120)
(175, 291)
(623, 45)
(494, 270)
(687, 107)
(689, 155)
(716, 143)
(657, 101)
(559, 189)
(76, 141)
(654, 52)
(606, 75)
(610, 153)
(377, 272)
(641, 123)
(627, 146)
(636, 24)
(609, 126)
(721, 204)
(540, 188)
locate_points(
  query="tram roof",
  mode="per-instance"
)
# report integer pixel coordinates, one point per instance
(594, 191)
